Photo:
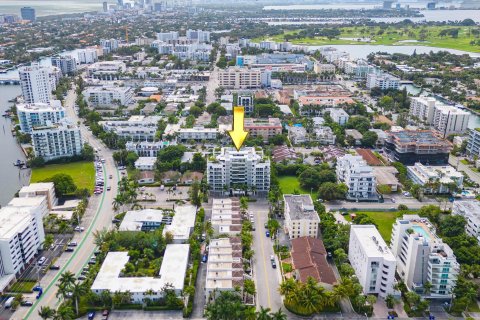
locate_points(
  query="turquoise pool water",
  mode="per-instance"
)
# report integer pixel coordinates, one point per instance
(421, 231)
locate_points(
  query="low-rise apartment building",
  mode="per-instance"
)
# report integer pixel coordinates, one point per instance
(108, 96)
(324, 135)
(224, 267)
(435, 179)
(265, 128)
(46, 189)
(147, 148)
(106, 70)
(383, 81)
(146, 163)
(197, 134)
(240, 78)
(226, 217)
(137, 128)
(338, 115)
(297, 135)
(301, 219)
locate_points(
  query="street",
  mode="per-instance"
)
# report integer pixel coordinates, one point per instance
(99, 215)
(267, 279)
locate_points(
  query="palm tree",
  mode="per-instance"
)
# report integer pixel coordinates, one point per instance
(100, 236)
(78, 290)
(117, 202)
(288, 288)
(64, 312)
(46, 312)
(66, 281)
(263, 314)
(279, 315)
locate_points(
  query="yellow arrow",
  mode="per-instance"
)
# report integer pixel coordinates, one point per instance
(238, 134)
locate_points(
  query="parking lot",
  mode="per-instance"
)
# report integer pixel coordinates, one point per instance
(154, 197)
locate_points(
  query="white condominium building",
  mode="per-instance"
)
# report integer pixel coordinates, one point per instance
(372, 260)
(240, 78)
(199, 36)
(229, 170)
(108, 96)
(147, 148)
(445, 119)
(197, 134)
(473, 144)
(87, 56)
(21, 236)
(324, 135)
(109, 45)
(172, 273)
(358, 176)
(383, 81)
(60, 140)
(66, 64)
(106, 70)
(39, 114)
(224, 266)
(37, 83)
(422, 108)
(450, 120)
(435, 179)
(422, 257)
(167, 36)
(470, 210)
(338, 115)
(301, 219)
(137, 128)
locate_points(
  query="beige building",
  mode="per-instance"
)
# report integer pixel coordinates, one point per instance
(265, 128)
(301, 219)
(324, 68)
(240, 78)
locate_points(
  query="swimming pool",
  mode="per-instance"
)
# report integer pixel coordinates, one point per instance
(421, 231)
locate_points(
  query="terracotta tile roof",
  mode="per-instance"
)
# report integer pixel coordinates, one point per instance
(309, 260)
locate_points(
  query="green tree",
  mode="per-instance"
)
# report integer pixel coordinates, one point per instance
(77, 290)
(332, 191)
(263, 314)
(63, 183)
(227, 306)
(46, 312)
(64, 312)
(47, 243)
(369, 139)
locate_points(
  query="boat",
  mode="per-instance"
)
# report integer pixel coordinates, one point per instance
(19, 163)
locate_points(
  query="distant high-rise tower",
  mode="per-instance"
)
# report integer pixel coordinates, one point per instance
(37, 83)
(105, 6)
(28, 13)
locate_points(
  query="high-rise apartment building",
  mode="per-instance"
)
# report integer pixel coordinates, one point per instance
(28, 13)
(37, 83)
(39, 114)
(231, 171)
(423, 257)
(66, 64)
(358, 176)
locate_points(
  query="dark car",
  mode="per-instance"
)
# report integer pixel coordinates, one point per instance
(26, 303)
(267, 233)
(204, 258)
(274, 265)
(91, 315)
(69, 249)
(81, 277)
(54, 267)
(37, 288)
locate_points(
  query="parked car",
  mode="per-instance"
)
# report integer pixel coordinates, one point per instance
(204, 258)
(79, 229)
(274, 265)
(80, 277)
(91, 315)
(26, 303)
(36, 288)
(41, 261)
(54, 267)
(267, 233)
(72, 244)
(69, 249)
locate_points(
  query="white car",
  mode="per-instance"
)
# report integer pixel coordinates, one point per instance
(79, 229)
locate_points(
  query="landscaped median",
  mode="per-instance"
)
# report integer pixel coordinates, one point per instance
(82, 173)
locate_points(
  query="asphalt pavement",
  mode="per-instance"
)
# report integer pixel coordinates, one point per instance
(98, 216)
(267, 279)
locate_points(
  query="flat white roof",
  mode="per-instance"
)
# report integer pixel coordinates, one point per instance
(372, 242)
(134, 220)
(172, 271)
(39, 186)
(14, 220)
(28, 202)
(182, 223)
(146, 161)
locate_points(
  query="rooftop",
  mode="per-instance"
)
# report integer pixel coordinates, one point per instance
(14, 220)
(426, 137)
(300, 207)
(372, 242)
(172, 271)
(309, 259)
(182, 223)
(134, 220)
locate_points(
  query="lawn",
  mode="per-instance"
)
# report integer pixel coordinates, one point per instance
(290, 185)
(383, 219)
(83, 173)
(23, 286)
(391, 36)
